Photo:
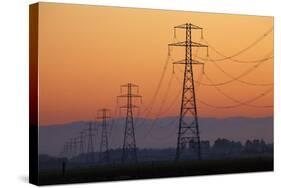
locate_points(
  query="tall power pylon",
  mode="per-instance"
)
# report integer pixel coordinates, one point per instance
(188, 132)
(129, 152)
(103, 116)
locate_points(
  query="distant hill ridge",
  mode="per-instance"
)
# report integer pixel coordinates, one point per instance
(160, 133)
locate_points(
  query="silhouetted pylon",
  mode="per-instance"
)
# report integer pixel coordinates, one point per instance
(90, 148)
(75, 146)
(67, 147)
(103, 116)
(81, 142)
(129, 152)
(71, 148)
(64, 150)
(188, 132)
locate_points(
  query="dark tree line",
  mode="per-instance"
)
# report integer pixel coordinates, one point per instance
(222, 145)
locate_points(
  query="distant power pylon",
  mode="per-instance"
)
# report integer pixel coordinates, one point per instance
(81, 142)
(67, 149)
(188, 132)
(90, 148)
(71, 148)
(75, 143)
(103, 116)
(64, 150)
(129, 152)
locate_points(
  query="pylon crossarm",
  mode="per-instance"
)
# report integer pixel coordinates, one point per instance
(134, 95)
(132, 106)
(104, 110)
(183, 61)
(103, 117)
(130, 84)
(126, 95)
(120, 96)
(188, 43)
(187, 25)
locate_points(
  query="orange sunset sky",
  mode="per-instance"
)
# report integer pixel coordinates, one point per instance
(87, 52)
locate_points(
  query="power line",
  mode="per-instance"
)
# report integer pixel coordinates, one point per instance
(159, 85)
(148, 109)
(245, 103)
(173, 121)
(161, 111)
(251, 45)
(163, 99)
(241, 102)
(237, 78)
(173, 104)
(268, 56)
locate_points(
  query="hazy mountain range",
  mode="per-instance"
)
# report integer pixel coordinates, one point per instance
(161, 133)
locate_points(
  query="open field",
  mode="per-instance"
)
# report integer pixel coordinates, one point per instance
(155, 170)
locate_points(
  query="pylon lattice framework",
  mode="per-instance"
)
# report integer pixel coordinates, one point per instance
(90, 148)
(71, 147)
(103, 116)
(81, 142)
(75, 146)
(129, 152)
(188, 131)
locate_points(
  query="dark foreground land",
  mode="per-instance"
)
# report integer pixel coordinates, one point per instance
(154, 170)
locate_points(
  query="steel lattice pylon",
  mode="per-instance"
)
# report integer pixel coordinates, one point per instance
(104, 153)
(81, 142)
(90, 133)
(71, 147)
(129, 152)
(188, 132)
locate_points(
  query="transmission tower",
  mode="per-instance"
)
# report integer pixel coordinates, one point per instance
(90, 149)
(71, 148)
(75, 143)
(81, 142)
(67, 150)
(129, 152)
(103, 116)
(64, 150)
(188, 132)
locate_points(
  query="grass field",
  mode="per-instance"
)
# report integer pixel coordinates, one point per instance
(155, 170)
